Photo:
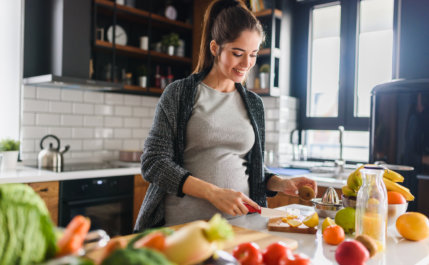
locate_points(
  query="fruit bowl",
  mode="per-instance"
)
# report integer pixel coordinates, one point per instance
(348, 201)
(394, 211)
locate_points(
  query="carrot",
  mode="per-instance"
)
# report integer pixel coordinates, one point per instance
(112, 245)
(74, 235)
(155, 240)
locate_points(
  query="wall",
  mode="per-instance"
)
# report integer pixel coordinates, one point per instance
(97, 125)
(281, 115)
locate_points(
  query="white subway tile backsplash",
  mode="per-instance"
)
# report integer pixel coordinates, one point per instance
(92, 144)
(132, 100)
(82, 133)
(79, 108)
(122, 133)
(112, 122)
(29, 92)
(113, 144)
(140, 112)
(32, 132)
(131, 122)
(270, 126)
(146, 122)
(123, 111)
(60, 107)
(48, 93)
(28, 118)
(47, 119)
(140, 133)
(132, 145)
(103, 110)
(80, 155)
(60, 132)
(272, 114)
(71, 95)
(75, 145)
(93, 97)
(71, 120)
(115, 99)
(28, 146)
(149, 101)
(93, 121)
(35, 105)
(103, 133)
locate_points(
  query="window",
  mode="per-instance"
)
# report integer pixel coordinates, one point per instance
(343, 49)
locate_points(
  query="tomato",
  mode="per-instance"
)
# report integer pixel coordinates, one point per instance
(274, 252)
(248, 254)
(296, 259)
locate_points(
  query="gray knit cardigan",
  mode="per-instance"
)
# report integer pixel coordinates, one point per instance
(162, 159)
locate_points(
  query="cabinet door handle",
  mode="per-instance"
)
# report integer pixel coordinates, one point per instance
(44, 190)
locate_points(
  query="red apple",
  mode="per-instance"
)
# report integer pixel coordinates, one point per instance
(351, 252)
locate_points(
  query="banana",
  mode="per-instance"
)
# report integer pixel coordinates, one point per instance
(392, 186)
(347, 191)
(393, 176)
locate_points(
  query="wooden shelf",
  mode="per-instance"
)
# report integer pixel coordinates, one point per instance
(145, 14)
(260, 91)
(266, 51)
(268, 12)
(137, 52)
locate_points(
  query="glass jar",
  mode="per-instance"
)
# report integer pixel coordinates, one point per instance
(371, 206)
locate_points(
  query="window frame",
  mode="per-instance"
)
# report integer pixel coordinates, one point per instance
(349, 38)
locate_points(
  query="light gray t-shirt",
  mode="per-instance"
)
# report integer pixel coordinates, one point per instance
(218, 136)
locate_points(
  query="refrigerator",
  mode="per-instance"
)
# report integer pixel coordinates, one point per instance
(399, 133)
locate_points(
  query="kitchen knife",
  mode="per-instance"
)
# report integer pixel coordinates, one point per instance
(266, 212)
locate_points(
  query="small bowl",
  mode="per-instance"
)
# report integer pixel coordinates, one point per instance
(348, 201)
(326, 209)
(394, 211)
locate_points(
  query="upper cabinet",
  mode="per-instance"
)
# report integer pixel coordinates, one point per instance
(143, 45)
(264, 79)
(129, 46)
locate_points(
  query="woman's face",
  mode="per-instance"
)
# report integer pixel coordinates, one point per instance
(239, 56)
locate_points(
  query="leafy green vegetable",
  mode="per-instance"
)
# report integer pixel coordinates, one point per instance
(27, 232)
(9, 145)
(136, 256)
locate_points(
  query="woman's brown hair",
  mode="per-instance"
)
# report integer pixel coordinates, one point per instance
(224, 21)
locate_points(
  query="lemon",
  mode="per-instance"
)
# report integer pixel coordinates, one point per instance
(294, 222)
(328, 221)
(311, 220)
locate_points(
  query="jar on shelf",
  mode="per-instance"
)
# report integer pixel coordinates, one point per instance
(371, 206)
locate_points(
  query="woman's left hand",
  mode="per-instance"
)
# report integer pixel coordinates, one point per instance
(290, 186)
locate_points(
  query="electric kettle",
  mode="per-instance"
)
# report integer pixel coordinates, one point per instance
(51, 158)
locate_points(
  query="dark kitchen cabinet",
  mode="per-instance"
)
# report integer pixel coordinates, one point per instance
(140, 188)
(125, 62)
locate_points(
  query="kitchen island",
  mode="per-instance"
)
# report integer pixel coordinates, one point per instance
(399, 251)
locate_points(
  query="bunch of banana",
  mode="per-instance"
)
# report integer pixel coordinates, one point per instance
(390, 178)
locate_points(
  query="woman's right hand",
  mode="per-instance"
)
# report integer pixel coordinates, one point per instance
(230, 201)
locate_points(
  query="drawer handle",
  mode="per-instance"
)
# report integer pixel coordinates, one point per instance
(44, 190)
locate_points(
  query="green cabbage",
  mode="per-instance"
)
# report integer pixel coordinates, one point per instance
(27, 234)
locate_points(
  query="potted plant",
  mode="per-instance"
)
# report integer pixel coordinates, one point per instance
(9, 150)
(264, 75)
(142, 76)
(170, 41)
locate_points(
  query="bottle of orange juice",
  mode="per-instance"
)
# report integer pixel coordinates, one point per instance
(371, 205)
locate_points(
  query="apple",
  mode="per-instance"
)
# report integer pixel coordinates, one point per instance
(351, 252)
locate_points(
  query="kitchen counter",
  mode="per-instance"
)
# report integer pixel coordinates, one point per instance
(399, 251)
(25, 174)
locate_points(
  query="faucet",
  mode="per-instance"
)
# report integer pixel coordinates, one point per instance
(340, 163)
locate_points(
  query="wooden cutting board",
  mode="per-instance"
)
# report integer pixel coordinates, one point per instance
(241, 235)
(276, 224)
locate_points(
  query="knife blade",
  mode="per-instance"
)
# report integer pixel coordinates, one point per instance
(266, 212)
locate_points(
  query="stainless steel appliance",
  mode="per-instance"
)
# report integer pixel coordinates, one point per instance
(108, 202)
(399, 131)
(51, 158)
